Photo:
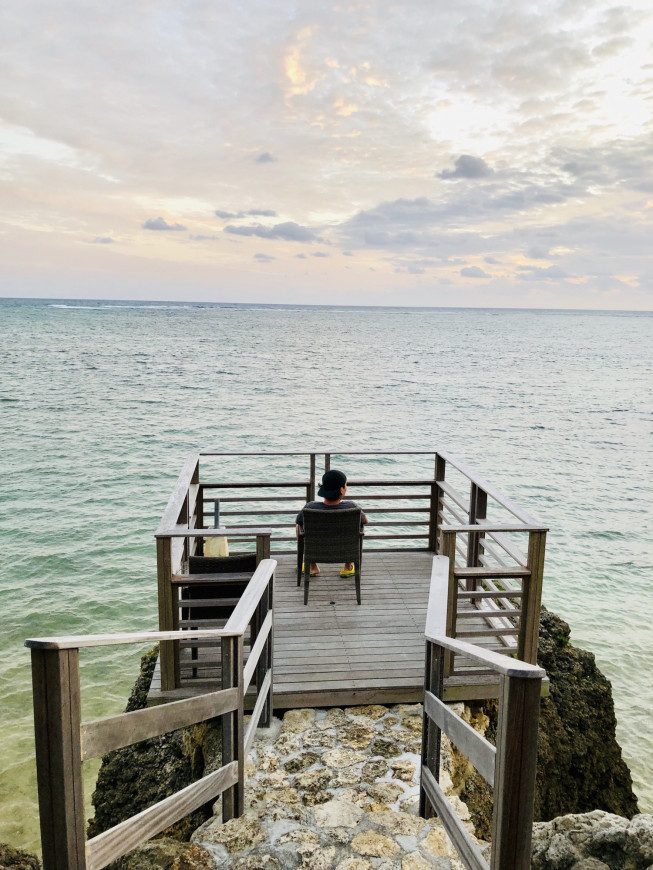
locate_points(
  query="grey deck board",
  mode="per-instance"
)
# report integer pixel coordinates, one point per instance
(333, 651)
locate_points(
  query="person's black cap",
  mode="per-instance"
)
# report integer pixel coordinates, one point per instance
(332, 480)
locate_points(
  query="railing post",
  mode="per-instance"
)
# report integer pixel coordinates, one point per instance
(55, 682)
(232, 726)
(448, 547)
(327, 462)
(269, 656)
(434, 683)
(169, 650)
(262, 548)
(436, 505)
(311, 486)
(477, 511)
(264, 659)
(532, 599)
(514, 780)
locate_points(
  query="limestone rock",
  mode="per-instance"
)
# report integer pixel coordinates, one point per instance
(414, 861)
(301, 762)
(404, 770)
(357, 736)
(399, 823)
(342, 757)
(372, 711)
(603, 838)
(16, 859)
(300, 837)
(374, 845)
(256, 862)
(346, 777)
(385, 791)
(313, 781)
(338, 814)
(236, 834)
(288, 744)
(374, 770)
(315, 737)
(287, 795)
(385, 748)
(335, 718)
(165, 854)
(297, 721)
(193, 857)
(352, 863)
(437, 843)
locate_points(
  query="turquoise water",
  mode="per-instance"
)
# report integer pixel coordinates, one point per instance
(100, 402)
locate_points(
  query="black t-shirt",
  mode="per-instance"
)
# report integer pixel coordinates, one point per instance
(320, 506)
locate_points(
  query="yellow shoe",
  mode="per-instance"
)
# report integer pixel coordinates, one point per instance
(347, 572)
(311, 573)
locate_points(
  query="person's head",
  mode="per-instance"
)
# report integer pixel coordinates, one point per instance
(334, 485)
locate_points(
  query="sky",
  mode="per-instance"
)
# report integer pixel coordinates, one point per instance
(467, 153)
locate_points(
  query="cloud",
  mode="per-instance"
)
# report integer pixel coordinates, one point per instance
(533, 273)
(161, 224)
(252, 212)
(535, 252)
(474, 272)
(264, 258)
(103, 240)
(289, 231)
(204, 238)
(467, 166)
(347, 254)
(320, 254)
(492, 261)
(266, 157)
(301, 256)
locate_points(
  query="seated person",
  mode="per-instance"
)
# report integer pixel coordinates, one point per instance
(333, 490)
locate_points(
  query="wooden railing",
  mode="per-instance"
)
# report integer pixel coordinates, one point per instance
(492, 576)
(509, 767)
(63, 741)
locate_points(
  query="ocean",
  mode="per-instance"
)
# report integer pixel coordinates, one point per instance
(101, 401)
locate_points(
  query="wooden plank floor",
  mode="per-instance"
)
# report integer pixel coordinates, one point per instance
(334, 652)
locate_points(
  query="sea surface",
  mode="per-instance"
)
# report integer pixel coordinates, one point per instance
(101, 401)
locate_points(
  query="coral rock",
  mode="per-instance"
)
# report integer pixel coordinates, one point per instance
(375, 845)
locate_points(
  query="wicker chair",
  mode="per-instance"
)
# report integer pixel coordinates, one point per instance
(330, 536)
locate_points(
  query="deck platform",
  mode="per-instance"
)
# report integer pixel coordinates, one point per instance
(334, 652)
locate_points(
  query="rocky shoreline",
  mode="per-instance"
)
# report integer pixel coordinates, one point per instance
(338, 788)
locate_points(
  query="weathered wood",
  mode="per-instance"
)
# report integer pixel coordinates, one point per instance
(467, 848)
(114, 732)
(90, 640)
(495, 527)
(256, 651)
(178, 495)
(434, 666)
(255, 484)
(512, 821)
(122, 838)
(239, 619)
(491, 573)
(55, 685)
(477, 749)
(500, 663)
(256, 713)
(183, 532)
(168, 655)
(215, 579)
(262, 548)
(532, 601)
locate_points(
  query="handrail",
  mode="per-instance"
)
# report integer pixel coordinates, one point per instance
(63, 741)
(509, 766)
(178, 495)
(240, 532)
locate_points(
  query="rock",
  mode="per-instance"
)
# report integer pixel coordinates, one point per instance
(134, 778)
(297, 721)
(385, 791)
(373, 770)
(356, 796)
(288, 744)
(397, 822)
(236, 834)
(314, 737)
(268, 761)
(437, 843)
(352, 863)
(385, 748)
(313, 781)
(193, 857)
(342, 757)
(318, 859)
(580, 766)
(604, 839)
(357, 736)
(335, 718)
(346, 777)
(301, 837)
(16, 859)
(165, 854)
(338, 814)
(372, 711)
(286, 795)
(404, 770)
(414, 861)
(256, 862)
(374, 845)
(301, 762)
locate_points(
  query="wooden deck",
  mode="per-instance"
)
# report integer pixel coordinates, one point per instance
(333, 652)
